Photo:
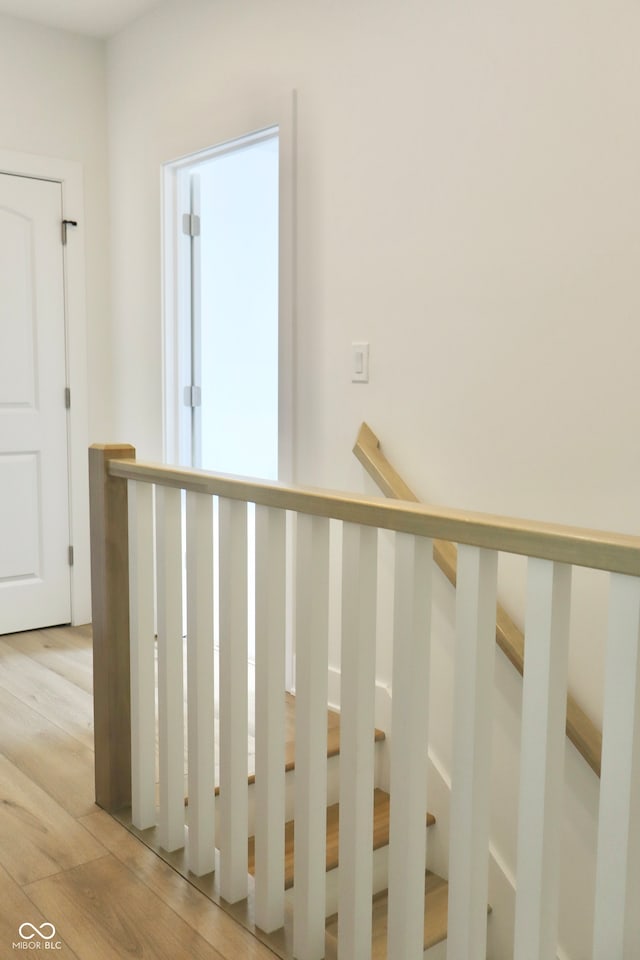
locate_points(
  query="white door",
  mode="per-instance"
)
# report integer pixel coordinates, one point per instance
(35, 587)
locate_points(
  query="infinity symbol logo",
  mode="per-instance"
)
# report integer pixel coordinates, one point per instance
(37, 931)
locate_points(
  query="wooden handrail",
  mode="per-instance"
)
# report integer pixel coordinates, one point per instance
(614, 552)
(584, 735)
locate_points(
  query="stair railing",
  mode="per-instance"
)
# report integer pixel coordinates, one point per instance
(581, 730)
(134, 503)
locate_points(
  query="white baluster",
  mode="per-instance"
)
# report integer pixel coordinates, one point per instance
(617, 913)
(270, 717)
(142, 640)
(409, 739)
(233, 801)
(542, 759)
(312, 618)
(471, 769)
(357, 722)
(200, 684)
(170, 667)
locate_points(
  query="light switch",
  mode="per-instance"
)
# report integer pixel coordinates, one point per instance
(360, 363)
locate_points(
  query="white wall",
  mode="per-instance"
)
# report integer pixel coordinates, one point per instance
(53, 103)
(467, 203)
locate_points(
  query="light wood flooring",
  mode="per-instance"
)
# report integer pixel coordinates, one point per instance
(62, 860)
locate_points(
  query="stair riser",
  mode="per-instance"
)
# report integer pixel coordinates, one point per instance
(380, 883)
(333, 794)
(439, 952)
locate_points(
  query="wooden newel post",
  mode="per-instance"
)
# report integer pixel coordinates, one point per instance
(110, 603)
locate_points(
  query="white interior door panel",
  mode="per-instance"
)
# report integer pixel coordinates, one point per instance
(34, 485)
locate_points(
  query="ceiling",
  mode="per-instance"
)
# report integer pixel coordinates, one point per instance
(97, 18)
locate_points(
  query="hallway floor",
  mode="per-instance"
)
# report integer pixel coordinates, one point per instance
(64, 863)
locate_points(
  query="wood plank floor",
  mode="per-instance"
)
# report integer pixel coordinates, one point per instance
(62, 860)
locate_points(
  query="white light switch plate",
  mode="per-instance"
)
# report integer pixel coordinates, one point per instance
(360, 363)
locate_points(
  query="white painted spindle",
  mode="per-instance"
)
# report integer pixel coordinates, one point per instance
(357, 723)
(617, 914)
(142, 650)
(312, 618)
(542, 759)
(409, 739)
(234, 805)
(170, 667)
(471, 768)
(200, 684)
(270, 729)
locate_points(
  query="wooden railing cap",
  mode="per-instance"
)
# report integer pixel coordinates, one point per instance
(601, 550)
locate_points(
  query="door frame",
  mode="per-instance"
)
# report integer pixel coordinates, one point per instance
(231, 122)
(69, 174)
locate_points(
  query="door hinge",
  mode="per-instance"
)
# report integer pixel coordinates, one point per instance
(70, 555)
(67, 397)
(191, 224)
(192, 396)
(65, 224)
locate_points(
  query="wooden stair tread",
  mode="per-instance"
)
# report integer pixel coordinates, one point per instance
(435, 917)
(380, 835)
(333, 736)
(333, 732)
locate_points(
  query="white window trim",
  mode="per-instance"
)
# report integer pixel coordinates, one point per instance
(69, 174)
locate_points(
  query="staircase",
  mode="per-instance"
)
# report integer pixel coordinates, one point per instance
(436, 888)
(435, 901)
